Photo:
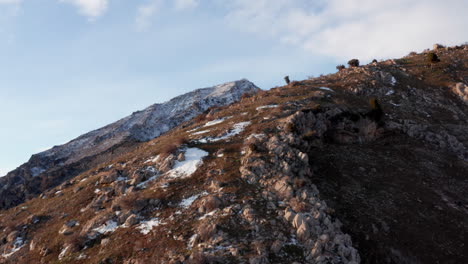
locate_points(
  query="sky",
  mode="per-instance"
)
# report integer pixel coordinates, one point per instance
(71, 66)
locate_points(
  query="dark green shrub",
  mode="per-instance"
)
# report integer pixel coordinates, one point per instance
(340, 67)
(432, 58)
(353, 63)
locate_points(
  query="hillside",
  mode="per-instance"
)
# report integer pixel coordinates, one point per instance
(54, 166)
(367, 165)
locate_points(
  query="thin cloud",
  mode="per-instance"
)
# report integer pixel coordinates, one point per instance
(89, 8)
(10, 2)
(145, 14)
(185, 4)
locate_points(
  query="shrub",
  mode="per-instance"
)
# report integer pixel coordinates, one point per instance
(353, 63)
(432, 57)
(286, 79)
(376, 112)
(340, 67)
(374, 61)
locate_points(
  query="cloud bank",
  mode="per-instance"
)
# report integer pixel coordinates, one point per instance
(353, 28)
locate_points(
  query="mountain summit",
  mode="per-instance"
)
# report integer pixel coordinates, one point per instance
(62, 162)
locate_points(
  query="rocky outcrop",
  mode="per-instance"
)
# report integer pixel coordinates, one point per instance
(461, 90)
(281, 166)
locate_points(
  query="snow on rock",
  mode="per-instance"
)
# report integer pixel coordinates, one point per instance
(186, 203)
(193, 160)
(145, 183)
(217, 121)
(109, 227)
(36, 171)
(63, 252)
(393, 81)
(200, 132)
(257, 136)
(266, 106)
(326, 89)
(146, 226)
(208, 214)
(152, 159)
(390, 92)
(236, 129)
(17, 245)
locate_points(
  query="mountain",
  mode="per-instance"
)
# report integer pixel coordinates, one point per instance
(60, 163)
(366, 165)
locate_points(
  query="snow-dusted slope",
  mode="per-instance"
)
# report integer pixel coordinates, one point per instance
(140, 126)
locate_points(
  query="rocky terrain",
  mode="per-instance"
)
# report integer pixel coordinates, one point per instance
(56, 165)
(367, 165)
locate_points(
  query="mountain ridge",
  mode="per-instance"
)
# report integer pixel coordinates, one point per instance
(366, 165)
(140, 126)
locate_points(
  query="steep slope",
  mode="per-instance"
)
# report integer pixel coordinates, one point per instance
(60, 163)
(305, 173)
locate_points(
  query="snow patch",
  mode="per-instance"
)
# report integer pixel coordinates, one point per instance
(326, 89)
(390, 92)
(208, 214)
(236, 129)
(266, 106)
(186, 203)
(393, 81)
(257, 136)
(36, 171)
(144, 184)
(17, 245)
(215, 122)
(63, 253)
(109, 227)
(152, 159)
(146, 226)
(193, 160)
(201, 132)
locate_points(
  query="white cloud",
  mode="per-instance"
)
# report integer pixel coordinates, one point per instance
(185, 4)
(354, 28)
(10, 2)
(145, 14)
(90, 8)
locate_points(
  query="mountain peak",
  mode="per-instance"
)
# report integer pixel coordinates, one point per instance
(140, 126)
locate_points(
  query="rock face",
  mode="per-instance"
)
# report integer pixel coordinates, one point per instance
(52, 166)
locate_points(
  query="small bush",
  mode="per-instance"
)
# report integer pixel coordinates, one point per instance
(432, 57)
(376, 112)
(374, 61)
(353, 63)
(290, 128)
(286, 79)
(340, 67)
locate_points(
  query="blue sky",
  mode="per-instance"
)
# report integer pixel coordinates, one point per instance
(70, 66)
